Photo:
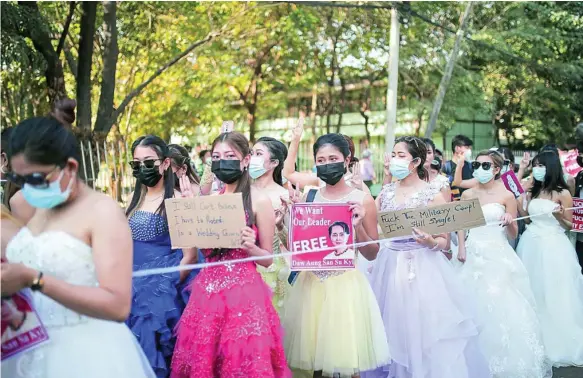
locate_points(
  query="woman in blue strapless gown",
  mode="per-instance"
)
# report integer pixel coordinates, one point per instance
(158, 300)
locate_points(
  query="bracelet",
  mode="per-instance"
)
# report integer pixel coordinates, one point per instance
(38, 283)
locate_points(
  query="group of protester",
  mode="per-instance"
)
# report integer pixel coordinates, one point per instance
(460, 305)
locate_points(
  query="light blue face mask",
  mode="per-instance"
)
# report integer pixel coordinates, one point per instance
(539, 173)
(49, 197)
(399, 168)
(483, 176)
(256, 167)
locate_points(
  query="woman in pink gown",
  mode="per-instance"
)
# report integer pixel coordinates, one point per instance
(230, 327)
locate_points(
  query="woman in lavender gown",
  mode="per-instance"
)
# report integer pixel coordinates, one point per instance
(428, 317)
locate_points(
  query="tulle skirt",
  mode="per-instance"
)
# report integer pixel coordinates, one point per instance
(557, 284)
(92, 349)
(334, 325)
(510, 335)
(428, 317)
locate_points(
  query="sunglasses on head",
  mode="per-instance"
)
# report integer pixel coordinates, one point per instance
(485, 165)
(37, 179)
(148, 163)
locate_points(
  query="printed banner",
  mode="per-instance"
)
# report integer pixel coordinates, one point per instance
(321, 225)
(569, 160)
(512, 184)
(577, 215)
(206, 221)
(459, 215)
(22, 328)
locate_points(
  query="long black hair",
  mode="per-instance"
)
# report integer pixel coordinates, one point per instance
(351, 148)
(180, 158)
(418, 149)
(162, 151)
(278, 151)
(239, 143)
(554, 179)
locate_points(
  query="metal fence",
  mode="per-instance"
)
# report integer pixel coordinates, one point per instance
(105, 167)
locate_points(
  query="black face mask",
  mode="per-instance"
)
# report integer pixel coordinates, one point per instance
(148, 176)
(580, 161)
(331, 173)
(228, 171)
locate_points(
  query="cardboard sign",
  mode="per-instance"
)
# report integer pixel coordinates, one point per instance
(22, 328)
(322, 226)
(512, 184)
(206, 221)
(577, 215)
(459, 215)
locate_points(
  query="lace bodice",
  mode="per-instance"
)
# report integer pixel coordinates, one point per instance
(547, 221)
(418, 199)
(57, 254)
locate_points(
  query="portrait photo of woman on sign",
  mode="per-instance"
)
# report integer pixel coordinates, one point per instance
(339, 233)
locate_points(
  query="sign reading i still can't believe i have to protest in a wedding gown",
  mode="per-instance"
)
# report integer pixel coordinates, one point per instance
(321, 226)
(454, 216)
(206, 221)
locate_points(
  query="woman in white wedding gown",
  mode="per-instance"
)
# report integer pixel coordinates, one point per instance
(551, 261)
(510, 333)
(76, 256)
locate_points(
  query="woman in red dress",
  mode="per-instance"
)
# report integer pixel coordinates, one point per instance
(230, 327)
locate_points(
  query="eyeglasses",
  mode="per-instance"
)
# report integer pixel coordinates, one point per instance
(148, 163)
(485, 165)
(37, 179)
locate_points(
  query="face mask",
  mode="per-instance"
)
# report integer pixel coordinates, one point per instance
(399, 168)
(331, 173)
(256, 167)
(483, 176)
(148, 176)
(468, 155)
(580, 161)
(539, 173)
(228, 171)
(49, 197)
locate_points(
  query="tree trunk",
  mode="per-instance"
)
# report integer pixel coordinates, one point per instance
(313, 111)
(448, 71)
(419, 122)
(342, 101)
(84, 66)
(393, 81)
(110, 54)
(42, 43)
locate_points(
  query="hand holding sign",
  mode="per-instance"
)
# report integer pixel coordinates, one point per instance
(358, 213)
(249, 239)
(227, 127)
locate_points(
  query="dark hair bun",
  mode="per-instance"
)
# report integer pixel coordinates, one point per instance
(65, 111)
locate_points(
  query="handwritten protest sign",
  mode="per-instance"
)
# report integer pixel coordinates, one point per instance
(22, 328)
(459, 215)
(206, 221)
(317, 226)
(577, 215)
(512, 183)
(569, 160)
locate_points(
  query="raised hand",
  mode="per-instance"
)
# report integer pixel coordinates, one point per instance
(356, 179)
(185, 187)
(298, 129)
(525, 162)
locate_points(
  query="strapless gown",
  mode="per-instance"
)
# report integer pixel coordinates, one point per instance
(557, 284)
(510, 336)
(79, 346)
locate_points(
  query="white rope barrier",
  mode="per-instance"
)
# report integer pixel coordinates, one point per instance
(172, 269)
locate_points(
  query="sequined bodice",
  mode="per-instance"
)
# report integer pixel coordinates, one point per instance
(223, 277)
(58, 254)
(418, 199)
(147, 226)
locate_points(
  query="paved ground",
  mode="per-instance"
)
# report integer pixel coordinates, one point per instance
(569, 372)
